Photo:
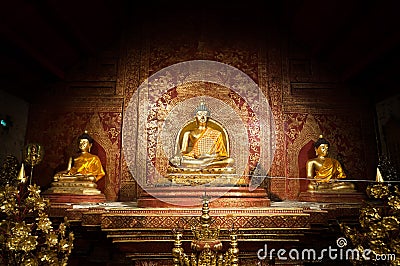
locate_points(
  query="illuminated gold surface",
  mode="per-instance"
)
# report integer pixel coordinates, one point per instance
(27, 241)
(81, 177)
(325, 171)
(202, 153)
(380, 225)
(86, 166)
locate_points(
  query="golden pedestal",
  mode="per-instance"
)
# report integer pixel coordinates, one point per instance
(224, 176)
(349, 196)
(74, 192)
(190, 197)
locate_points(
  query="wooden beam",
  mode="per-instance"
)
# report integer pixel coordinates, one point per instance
(31, 51)
(55, 16)
(358, 66)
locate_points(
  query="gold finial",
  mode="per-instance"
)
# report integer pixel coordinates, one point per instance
(21, 176)
(206, 245)
(86, 132)
(321, 137)
(379, 177)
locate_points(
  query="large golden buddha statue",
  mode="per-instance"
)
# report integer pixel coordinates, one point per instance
(202, 147)
(82, 172)
(325, 172)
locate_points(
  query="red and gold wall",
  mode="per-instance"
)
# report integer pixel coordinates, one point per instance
(306, 99)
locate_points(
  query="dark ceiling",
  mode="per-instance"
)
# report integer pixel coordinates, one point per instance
(41, 40)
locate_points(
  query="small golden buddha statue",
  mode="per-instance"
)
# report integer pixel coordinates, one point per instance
(202, 147)
(82, 172)
(325, 171)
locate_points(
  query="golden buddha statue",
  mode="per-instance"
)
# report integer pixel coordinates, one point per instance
(325, 171)
(202, 148)
(82, 172)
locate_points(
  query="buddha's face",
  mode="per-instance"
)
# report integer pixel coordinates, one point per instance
(84, 145)
(202, 116)
(322, 150)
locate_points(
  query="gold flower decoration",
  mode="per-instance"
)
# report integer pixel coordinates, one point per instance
(376, 231)
(395, 244)
(378, 191)
(391, 223)
(27, 236)
(394, 202)
(380, 225)
(369, 215)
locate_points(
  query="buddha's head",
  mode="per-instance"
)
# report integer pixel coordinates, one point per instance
(321, 146)
(85, 142)
(202, 113)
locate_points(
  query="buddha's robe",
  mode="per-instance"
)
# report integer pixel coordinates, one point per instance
(330, 169)
(87, 164)
(209, 142)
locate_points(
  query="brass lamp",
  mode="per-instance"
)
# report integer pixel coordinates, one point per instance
(33, 156)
